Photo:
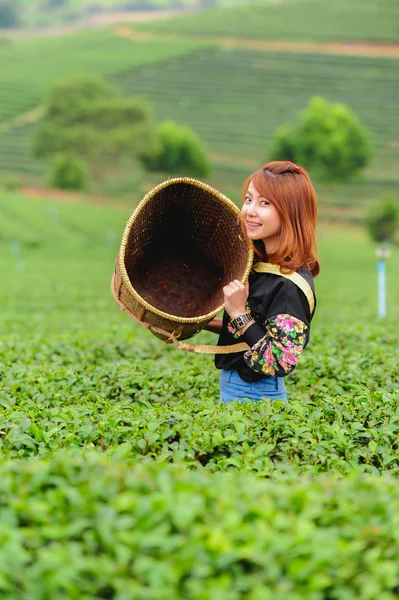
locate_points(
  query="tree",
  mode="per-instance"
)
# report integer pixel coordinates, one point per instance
(85, 116)
(382, 221)
(9, 15)
(180, 151)
(68, 173)
(328, 139)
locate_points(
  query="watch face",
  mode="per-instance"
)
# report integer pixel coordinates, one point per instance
(240, 321)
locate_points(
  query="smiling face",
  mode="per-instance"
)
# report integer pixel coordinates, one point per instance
(261, 218)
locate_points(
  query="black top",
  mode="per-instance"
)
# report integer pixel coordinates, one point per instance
(269, 295)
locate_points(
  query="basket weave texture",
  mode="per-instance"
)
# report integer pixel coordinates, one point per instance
(181, 245)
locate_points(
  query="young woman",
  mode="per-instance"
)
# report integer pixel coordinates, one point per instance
(272, 312)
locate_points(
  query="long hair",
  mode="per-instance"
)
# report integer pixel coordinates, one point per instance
(288, 187)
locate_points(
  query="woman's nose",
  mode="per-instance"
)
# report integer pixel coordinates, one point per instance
(251, 212)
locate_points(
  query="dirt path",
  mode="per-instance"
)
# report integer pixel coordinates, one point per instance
(30, 116)
(344, 48)
(348, 48)
(126, 19)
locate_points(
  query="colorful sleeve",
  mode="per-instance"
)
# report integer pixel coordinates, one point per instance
(278, 352)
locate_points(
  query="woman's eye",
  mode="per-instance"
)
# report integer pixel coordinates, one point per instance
(265, 202)
(247, 199)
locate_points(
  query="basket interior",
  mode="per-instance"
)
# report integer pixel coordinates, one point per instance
(184, 245)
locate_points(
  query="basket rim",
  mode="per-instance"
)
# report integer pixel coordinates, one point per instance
(122, 251)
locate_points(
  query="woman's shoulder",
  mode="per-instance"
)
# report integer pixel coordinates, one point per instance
(273, 273)
(293, 291)
(307, 275)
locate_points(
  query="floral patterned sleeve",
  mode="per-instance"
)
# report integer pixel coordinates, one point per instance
(278, 352)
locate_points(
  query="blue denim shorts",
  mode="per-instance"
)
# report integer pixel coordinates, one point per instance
(232, 387)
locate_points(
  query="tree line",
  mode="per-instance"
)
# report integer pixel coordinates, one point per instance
(88, 124)
(87, 119)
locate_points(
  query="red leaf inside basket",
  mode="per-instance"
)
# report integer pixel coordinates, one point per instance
(192, 288)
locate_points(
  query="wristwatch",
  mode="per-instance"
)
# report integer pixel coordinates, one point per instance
(241, 320)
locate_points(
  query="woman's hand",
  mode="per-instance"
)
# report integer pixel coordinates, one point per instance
(235, 297)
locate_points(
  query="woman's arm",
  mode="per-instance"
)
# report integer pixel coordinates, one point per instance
(215, 326)
(278, 352)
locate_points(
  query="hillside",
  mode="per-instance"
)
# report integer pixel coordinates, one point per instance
(234, 99)
(28, 68)
(51, 13)
(230, 92)
(47, 13)
(294, 20)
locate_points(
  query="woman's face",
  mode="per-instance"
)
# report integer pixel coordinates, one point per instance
(261, 218)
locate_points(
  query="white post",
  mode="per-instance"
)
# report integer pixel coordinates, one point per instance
(382, 254)
(382, 295)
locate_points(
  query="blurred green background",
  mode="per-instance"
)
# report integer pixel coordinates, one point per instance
(86, 394)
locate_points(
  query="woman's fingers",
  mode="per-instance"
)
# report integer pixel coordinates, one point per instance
(230, 289)
(239, 284)
(235, 285)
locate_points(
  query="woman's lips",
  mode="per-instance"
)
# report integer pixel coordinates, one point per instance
(253, 225)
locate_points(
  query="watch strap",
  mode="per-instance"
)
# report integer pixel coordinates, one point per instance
(241, 320)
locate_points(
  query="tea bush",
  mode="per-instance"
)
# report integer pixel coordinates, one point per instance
(122, 477)
(86, 526)
(328, 139)
(68, 173)
(173, 416)
(180, 151)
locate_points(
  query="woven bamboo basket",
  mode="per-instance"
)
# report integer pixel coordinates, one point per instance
(181, 245)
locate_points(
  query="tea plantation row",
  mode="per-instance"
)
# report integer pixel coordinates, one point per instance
(85, 526)
(121, 475)
(127, 408)
(235, 99)
(303, 20)
(236, 118)
(29, 68)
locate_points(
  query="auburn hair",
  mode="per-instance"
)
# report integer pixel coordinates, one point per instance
(289, 188)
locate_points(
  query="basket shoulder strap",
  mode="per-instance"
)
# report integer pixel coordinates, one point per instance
(262, 267)
(208, 349)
